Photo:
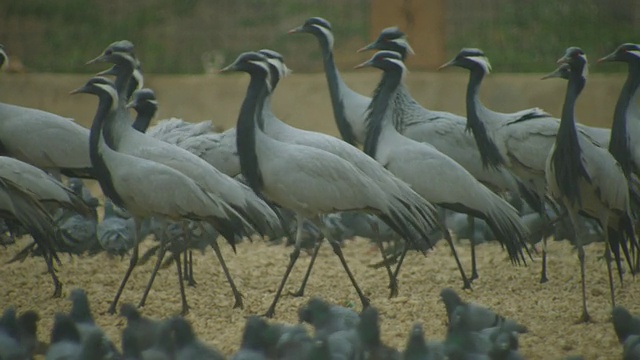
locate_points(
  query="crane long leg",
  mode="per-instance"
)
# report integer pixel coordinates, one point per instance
(161, 255)
(472, 239)
(607, 259)
(183, 295)
(132, 264)
(293, 257)
(393, 281)
(57, 285)
(191, 280)
(185, 270)
(316, 250)
(236, 294)
(543, 271)
(578, 234)
(405, 250)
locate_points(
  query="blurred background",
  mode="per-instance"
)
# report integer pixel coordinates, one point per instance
(182, 42)
(195, 36)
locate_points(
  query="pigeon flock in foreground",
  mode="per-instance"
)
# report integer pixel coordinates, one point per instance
(474, 332)
(401, 175)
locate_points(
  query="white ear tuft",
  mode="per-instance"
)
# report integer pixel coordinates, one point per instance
(634, 52)
(483, 61)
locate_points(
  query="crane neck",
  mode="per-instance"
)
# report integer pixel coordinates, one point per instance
(144, 117)
(246, 132)
(619, 144)
(489, 152)
(106, 108)
(380, 110)
(124, 82)
(337, 89)
(574, 88)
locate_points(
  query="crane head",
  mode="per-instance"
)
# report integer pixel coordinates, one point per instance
(392, 39)
(385, 60)
(626, 52)
(470, 59)
(317, 26)
(576, 59)
(116, 53)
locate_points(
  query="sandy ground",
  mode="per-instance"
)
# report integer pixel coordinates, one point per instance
(549, 310)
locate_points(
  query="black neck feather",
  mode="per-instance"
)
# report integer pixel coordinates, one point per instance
(489, 152)
(337, 103)
(619, 145)
(567, 157)
(97, 161)
(124, 83)
(380, 107)
(143, 119)
(246, 130)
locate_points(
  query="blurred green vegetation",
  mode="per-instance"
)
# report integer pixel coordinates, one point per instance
(186, 36)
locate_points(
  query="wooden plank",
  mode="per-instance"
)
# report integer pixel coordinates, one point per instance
(424, 23)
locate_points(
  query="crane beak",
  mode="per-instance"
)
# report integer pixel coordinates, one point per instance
(447, 64)
(363, 65)
(553, 74)
(226, 69)
(131, 104)
(79, 90)
(109, 71)
(563, 60)
(367, 47)
(296, 30)
(98, 59)
(610, 57)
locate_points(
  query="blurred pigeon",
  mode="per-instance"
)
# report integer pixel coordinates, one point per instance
(94, 348)
(418, 349)
(28, 332)
(253, 345)
(504, 344)
(188, 347)
(624, 323)
(462, 341)
(81, 315)
(479, 316)
(115, 234)
(164, 346)
(130, 346)
(65, 340)
(144, 329)
(631, 349)
(319, 351)
(326, 318)
(369, 332)
(293, 343)
(10, 346)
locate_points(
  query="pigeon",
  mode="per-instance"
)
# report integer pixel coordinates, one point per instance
(253, 345)
(369, 332)
(188, 347)
(293, 342)
(479, 317)
(65, 340)
(144, 329)
(631, 349)
(624, 323)
(94, 348)
(81, 315)
(28, 332)
(326, 318)
(418, 349)
(10, 346)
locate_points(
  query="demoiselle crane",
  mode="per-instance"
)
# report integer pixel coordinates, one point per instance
(309, 181)
(281, 131)
(444, 131)
(134, 183)
(36, 137)
(19, 204)
(433, 175)
(130, 141)
(586, 178)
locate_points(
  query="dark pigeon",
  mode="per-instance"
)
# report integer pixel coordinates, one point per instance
(624, 323)
(326, 318)
(188, 347)
(369, 332)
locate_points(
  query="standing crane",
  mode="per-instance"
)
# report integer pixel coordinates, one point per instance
(586, 178)
(309, 181)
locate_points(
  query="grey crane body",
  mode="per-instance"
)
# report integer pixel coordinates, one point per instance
(405, 157)
(37, 137)
(20, 204)
(443, 130)
(586, 178)
(133, 183)
(278, 170)
(218, 149)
